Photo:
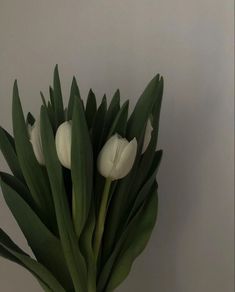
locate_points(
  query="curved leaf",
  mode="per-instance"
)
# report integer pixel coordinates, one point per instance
(157, 108)
(10, 251)
(58, 99)
(150, 163)
(135, 241)
(45, 246)
(74, 259)
(20, 188)
(144, 108)
(34, 174)
(7, 146)
(81, 167)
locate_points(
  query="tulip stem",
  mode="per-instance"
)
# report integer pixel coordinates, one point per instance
(101, 218)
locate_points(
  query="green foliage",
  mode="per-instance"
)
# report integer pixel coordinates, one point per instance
(71, 250)
(81, 167)
(10, 251)
(61, 230)
(91, 108)
(34, 175)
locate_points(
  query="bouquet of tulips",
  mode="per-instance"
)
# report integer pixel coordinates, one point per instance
(83, 186)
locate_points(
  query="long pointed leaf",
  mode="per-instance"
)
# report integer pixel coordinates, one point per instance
(58, 100)
(98, 126)
(45, 246)
(112, 112)
(91, 108)
(81, 166)
(20, 188)
(34, 175)
(68, 238)
(11, 251)
(144, 108)
(135, 241)
(7, 146)
(150, 163)
(86, 245)
(74, 92)
(119, 124)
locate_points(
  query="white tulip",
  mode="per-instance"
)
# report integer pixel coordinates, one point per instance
(147, 136)
(36, 141)
(117, 157)
(63, 141)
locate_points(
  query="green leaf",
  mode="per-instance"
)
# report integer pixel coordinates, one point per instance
(45, 246)
(58, 100)
(157, 109)
(11, 251)
(142, 194)
(150, 162)
(20, 188)
(51, 115)
(120, 122)
(7, 146)
(144, 108)
(44, 286)
(74, 91)
(112, 112)
(130, 245)
(52, 100)
(136, 195)
(86, 245)
(34, 174)
(50, 108)
(81, 167)
(91, 108)
(5, 240)
(98, 127)
(74, 259)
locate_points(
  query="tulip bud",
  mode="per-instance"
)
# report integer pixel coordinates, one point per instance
(147, 136)
(36, 141)
(117, 157)
(63, 141)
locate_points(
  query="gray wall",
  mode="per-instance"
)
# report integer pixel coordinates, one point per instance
(110, 44)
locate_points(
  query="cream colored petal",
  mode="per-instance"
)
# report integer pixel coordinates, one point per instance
(122, 144)
(126, 161)
(107, 155)
(36, 141)
(63, 141)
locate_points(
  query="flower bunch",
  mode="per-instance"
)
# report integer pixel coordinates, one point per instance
(83, 177)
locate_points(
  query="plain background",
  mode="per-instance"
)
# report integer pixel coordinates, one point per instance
(122, 44)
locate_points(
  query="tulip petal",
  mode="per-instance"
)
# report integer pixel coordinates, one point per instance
(35, 138)
(126, 159)
(63, 142)
(107, 156)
